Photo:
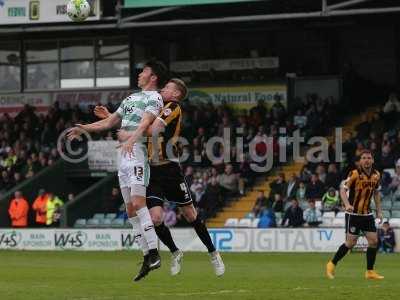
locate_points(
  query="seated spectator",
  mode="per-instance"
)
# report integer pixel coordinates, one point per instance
(331, 200)
(301, 192)
(267, 219)
(292, 187)
(279, 186)
(392, 105)
(300, 119)
(395, 184)
(321, 173)
(198, 188)
(315, 188)
(229, 181)
(53, 210)
(387, 157)
(261, 203)
(278, 203)
(293, 215)
(312, 215)
(211, 199)
(387, 240)
(39, 206)
(18, 211)
(332, 177)
(113, 202)
(169, 215)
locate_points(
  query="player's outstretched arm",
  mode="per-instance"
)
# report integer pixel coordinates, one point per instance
(108, 123)
(345, 198)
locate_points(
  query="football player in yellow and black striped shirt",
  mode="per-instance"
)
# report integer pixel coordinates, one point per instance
(167, 182)
(361, 185)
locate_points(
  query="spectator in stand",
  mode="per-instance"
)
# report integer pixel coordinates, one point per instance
(301, 192)
(363, 128)
(39, 206)
(321, 173)
(18, 211)
(267, 219)
(332, 177)
(18, 178)
(279, 186)
(395, 184)
(229, 181)
(261, 203)
(53, 210)
(113, 202)
(387, 157)
(392, 105)
(198, 188)
(169, 215)
(293, 215)
(331, 200)
(312, 215)
(292, 187)
(189, 175)
(315, 188)
(387, 240)
(278, 203)
(211, 200)
(300, 120)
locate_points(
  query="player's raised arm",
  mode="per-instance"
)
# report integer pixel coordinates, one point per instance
(111, 121)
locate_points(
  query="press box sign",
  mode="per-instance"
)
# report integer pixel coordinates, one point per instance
(39, 11)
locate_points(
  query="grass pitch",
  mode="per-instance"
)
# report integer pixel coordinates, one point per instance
(108, 276)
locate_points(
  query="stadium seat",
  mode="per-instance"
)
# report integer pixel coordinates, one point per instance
(396, 206)
(395, 222)
(117, 223)
(245, 222)
(93, 223)
(231, 222)
(396, 214)
(255, 222)
(339, 222)
(386, 214)
(327, 222)
(105, 223)
(329, 214)
(98, 216)
(387, 205)
(80, 223)
(340, 215)
(111, 216)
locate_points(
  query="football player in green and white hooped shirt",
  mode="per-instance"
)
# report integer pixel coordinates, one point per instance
(136, 113)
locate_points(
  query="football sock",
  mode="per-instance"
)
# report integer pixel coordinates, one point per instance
(138, 234)
(147, 227)
(164, 234)
(203, 234)
(341, 252)
(371, 256)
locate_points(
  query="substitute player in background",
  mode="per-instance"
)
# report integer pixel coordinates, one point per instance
(356, 192)
(136, 113)
(167, 182)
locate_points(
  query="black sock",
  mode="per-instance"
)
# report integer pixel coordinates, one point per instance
(164, 234)
(203, 234)
(342, 251)
(371, 256)
(153, 252)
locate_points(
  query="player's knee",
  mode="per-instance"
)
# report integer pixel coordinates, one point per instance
(136, 205)
(157, 219)
(190, 215)
(350, 244)
(373, 243)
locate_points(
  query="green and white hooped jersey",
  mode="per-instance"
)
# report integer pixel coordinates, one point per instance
(132, 108)
(135, 170)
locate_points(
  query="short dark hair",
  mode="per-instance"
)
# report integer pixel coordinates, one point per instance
(160, 70)
(365, 151)
(181, 86)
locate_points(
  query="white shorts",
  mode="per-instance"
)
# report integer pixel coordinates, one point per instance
(134, 169)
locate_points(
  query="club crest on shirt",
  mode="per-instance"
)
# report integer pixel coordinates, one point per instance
(167, 111)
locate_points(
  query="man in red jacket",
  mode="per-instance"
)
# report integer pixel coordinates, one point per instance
(18, 210)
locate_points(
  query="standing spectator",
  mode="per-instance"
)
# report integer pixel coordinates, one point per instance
(53, 209)
(330, 200)
(261, 203)
(113, 202)
(229, 181)
(312, 215)
(18, 211)
(169, 215)
(315, 189)
(279, 186)
(292, 186)
(294, 214)
(332, 177)
(321, 173)
(39, 206)
(386, 237)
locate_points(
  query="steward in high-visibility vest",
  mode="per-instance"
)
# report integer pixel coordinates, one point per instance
(52, 208)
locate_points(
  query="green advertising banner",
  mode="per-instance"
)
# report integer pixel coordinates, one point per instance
(155, 3)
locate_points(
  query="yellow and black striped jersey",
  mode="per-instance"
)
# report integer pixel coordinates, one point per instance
(171, 116)
(361, 187)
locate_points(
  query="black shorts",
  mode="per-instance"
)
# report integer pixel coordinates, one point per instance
(355, 224)
(167, 183)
